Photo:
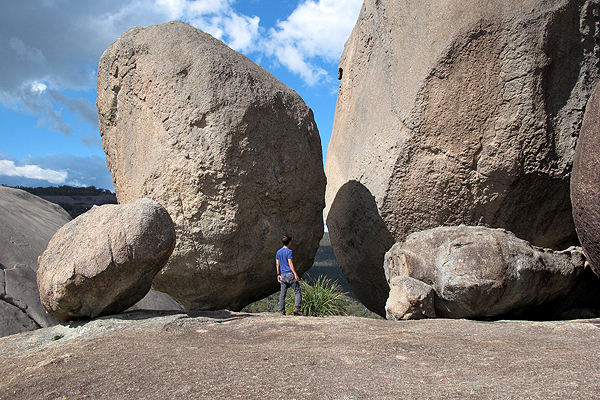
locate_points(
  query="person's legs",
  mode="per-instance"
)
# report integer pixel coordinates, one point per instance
(285, 283)
(298, 291)
(282, 296)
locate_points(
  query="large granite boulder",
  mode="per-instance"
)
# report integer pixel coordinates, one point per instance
(476, 272)
(460, 112)
(27, 223)
(232, 153)
(585, 183)
(103, 262)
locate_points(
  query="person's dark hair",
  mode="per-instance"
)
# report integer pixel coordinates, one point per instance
(287, 239)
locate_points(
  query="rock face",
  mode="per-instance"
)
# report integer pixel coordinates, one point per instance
(104, 261)
(232, 153)
(156, 301)
(585, 183)
(459, 112)
(476, 272)
(220, 356)
(27, 223)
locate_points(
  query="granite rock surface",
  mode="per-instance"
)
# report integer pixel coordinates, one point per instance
(232, 153)
(457, 112)
(479, 272)
(104, 261)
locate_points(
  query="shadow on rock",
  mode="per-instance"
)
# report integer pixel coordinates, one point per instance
(360, 240)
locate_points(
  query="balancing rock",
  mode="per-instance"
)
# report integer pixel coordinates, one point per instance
(103, 262)
(232, 153)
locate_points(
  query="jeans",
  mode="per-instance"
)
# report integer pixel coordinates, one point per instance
(288, 280)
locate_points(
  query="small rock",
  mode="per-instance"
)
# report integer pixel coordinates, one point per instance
(104, 261)
(409, 299)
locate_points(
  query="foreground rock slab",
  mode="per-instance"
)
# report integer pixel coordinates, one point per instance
(458, 112)
(231, 152)
(103, 262)
(231, 355)
(476, 272)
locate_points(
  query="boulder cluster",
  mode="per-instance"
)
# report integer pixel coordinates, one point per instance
(460, 113)
(463, 172)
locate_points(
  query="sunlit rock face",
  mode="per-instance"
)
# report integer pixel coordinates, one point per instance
(456, 112)
(232, 153)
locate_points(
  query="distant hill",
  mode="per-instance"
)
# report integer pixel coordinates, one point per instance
(75, 200)
(326, 264)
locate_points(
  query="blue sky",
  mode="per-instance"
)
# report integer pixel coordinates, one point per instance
(49, 52)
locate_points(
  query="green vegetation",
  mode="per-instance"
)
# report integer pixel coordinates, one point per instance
(324, 298)
(325, 291)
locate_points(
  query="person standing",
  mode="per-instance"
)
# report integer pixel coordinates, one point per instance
(287, 276)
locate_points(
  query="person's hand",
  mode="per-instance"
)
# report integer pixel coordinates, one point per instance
(297, 278)
(279, 278)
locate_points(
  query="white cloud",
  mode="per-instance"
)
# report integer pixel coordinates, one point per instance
(55, 170)
(218, 18)
(316, 30)
(8, 168)
(49, 46)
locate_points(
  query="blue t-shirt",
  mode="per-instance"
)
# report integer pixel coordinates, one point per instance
(283, 255)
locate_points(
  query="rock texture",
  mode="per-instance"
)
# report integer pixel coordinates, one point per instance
(103, 262)
(585, 183)
(232, 153)
(461, 112)
(156, 301)
(27, 223)
(227, 355)
(477, 272)
(409, 299)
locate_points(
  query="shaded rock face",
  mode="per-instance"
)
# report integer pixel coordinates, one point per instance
(156, 301)
(104, 261)
(232, 153)
(585, 183)
(27, 223)
(462, 113)
(477, 272)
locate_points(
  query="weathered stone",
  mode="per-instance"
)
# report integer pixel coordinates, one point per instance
(232, 153)
(156, 301)
(483, 272)
(585, 183)
(223, 356)
(104, 261)
(409, 299)
(21, 290)
(27, 224)
(462, 112)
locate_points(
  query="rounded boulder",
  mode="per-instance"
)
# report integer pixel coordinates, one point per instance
(104, 261)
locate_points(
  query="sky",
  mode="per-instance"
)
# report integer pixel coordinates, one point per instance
(49, 53)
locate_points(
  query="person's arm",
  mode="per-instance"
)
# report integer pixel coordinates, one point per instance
(278, 270)
(291, 264)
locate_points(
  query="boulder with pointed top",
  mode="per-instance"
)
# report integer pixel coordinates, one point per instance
(231, 152)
